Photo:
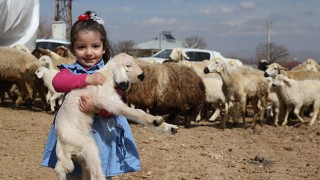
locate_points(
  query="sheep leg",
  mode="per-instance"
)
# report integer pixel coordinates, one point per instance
(256, 111)
(136, 115)
(243, 112)
(276, 115)
(215, 114)
(296, 111)
(315, 113)
(225, 116)
(285, 120)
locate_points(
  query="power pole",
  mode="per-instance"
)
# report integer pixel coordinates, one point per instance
(269, 26)
(63, 12)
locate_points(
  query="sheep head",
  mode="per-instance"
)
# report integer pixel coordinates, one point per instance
(125, 71)
(281, 80)
(216, 65)
(273, 69)
(178, 55)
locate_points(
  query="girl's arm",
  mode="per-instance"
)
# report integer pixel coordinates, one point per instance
(65, 81)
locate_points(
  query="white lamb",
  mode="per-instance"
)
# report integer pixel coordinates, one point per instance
(73, 126)
(298, 94)
(47, 76)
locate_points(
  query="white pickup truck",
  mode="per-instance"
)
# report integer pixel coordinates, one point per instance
(194, 55)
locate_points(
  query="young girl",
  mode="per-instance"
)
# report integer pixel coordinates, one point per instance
(117, 149)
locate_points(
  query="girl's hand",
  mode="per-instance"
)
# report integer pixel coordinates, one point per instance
(86, 105)
(95, 79)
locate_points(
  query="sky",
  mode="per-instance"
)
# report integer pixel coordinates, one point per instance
(227, 26)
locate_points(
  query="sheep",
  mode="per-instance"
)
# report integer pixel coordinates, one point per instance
(212, 82)
(73, 126)
(302, 73)
(19, 67)
(47, 76)
(297, 94)
(56, 59)
(10, 87)
(64, 52)
(275, 68)
(309, 64)
(241, 85)
(169, 89)
(263, 64)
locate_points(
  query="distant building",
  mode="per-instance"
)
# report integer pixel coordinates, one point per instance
(165, 40)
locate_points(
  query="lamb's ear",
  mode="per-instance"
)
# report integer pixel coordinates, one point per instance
(39, 73)
(120, 74)
(286, 80)
(185, 55)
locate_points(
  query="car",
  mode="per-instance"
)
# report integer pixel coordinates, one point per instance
(51, 44)
(195, 55)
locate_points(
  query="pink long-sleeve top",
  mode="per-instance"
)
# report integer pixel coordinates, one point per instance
(65, 81)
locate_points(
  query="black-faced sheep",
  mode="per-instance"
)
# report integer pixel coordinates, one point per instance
(168, 89)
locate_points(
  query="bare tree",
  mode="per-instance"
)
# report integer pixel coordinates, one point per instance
(277, 52)
(122, 46)
(195, 42)
(44, 30)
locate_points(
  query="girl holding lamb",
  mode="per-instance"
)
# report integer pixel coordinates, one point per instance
(113, 136)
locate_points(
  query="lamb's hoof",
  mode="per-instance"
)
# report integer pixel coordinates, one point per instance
(174, 130)
(158, 122)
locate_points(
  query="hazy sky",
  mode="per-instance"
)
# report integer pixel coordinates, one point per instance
(226, 26)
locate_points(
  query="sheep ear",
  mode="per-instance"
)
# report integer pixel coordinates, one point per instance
(286, 80)
(39, 74)
(120, 74)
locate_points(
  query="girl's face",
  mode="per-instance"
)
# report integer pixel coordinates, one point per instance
(88, 48)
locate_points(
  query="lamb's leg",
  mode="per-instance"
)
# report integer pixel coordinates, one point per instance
(276, 115)
(285, 120)
(139, 116)
(225, 116)
(315, 114)
(296, 111)
(215, 115)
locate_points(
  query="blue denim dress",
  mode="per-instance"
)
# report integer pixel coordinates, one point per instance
(117, 149)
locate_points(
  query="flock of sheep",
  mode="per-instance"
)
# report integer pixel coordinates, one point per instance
(179, 89)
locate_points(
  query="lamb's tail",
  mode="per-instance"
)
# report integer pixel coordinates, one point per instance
(64, 164)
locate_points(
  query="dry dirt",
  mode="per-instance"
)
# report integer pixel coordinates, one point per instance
(203, 151)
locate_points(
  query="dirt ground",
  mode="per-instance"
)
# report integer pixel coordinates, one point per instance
(203, 151)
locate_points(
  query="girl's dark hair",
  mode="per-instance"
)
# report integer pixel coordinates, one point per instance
(91, 25)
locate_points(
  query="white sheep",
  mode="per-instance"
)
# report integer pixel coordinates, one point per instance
(47, 76)
(73, 126)
(305, 71)
(298, 94)
(300, 74)
(56, 58)
(239, 85)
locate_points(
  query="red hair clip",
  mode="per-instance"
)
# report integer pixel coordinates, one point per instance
(83, 17)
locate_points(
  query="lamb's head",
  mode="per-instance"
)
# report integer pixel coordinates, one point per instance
(281, 80)
(178, 55)
(45, 60)
(273, 69)
(126, 71)
(311, 64)
(40, 71)
(216, 66)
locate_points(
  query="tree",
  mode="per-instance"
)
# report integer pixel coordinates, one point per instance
(122, 47)
(277, 52)
(195, 42)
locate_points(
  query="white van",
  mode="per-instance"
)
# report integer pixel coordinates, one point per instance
(51, 44)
